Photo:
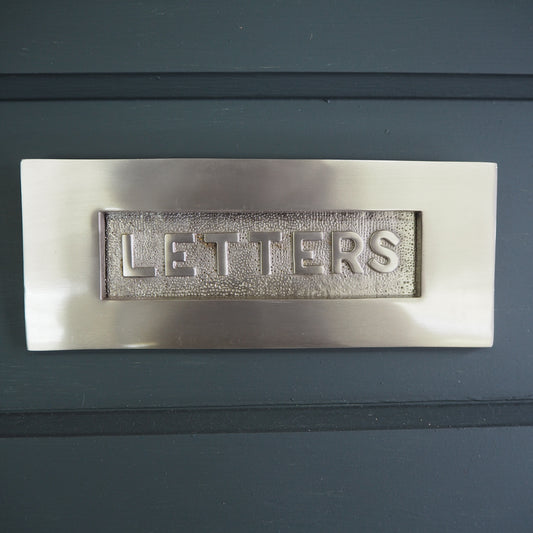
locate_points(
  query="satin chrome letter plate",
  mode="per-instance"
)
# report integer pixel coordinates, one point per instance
(251, 253)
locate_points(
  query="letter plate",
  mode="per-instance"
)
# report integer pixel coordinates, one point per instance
(222, 253)
(357, 254)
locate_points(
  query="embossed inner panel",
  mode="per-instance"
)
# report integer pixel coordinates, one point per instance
(269, 255)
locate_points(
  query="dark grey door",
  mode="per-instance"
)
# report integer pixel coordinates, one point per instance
(305, 440)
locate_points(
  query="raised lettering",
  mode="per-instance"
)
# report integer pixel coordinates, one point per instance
(221, 240)
(265, 240)
(338, 255)
(300, 255)
(383, 251)
(129, 270)
(174, 256)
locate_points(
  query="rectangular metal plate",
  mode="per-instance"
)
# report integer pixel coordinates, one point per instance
(220, 253)
(334, 254)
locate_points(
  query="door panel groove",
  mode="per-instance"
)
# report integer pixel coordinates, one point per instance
(267, 418)
(264, 85)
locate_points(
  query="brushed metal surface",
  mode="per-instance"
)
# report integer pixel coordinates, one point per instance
(62, 200)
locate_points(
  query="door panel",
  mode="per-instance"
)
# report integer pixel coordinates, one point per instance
(313, 36)
(442, 130)
(472, 480)
(270, 440)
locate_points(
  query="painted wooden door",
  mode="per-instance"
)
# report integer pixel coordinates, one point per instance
(306, 440)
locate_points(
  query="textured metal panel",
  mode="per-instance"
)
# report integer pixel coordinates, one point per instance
(361, 273)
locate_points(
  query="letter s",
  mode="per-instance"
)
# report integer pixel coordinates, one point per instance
(377, 247)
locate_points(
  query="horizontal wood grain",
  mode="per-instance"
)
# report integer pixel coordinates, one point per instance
(465, 481)
(456, 36)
